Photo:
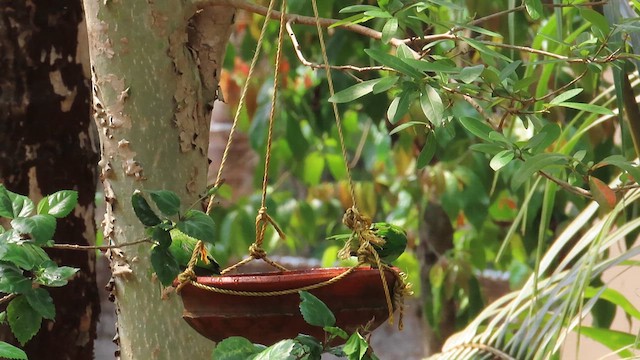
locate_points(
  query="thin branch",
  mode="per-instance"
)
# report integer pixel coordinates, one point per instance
(90, 247)
(306, 20)
(7, 298)
(298, 50)
(565, 185)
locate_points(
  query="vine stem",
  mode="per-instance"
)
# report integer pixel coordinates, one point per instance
(92, 247)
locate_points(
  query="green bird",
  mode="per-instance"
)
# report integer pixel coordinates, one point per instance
(181, 248)
(395, 241)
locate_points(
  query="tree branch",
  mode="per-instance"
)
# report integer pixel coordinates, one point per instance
(103, 248)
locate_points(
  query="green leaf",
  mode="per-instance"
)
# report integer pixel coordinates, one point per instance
(562, 97)
(313, 168)
(8, 351)
(23, 319)
(614, 297)
(427, 152)
(6, 205)
(62, 202)
(431, 66)
(41, 301)
(599, 22)
(490, 149)
(591, 108)
(385, 84)
(407, 125)
(485, 49)
(622, 163)
(22, 205)
(166, 201)
(162, 236)
(354, 92)
(400, 106)
(41, 227)
(615, 340)
(355, 19)
(501, 159)
(469, 74)
(356, 347)
(431, 104)
(336, 166)
(281, 350)
(164, 264)
(314, 311)
(26, 255)
(198, 225)
(534, 8)
(336, 331)
(533, 165)
(143, 210)
(12, 280)
(235, 348)
(477, 127)
(544, 138)
(389, 30)
(308, 347)
(358, 8)
(55, 276)
(393, 62)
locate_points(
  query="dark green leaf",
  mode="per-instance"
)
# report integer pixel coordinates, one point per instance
(6, 206)
(26, 255)
(143, 211)
(598, 21)
(311, 346)
(41, 301)
(534, 164)
(62, 202)
(385, 84)
(296, 139)
(12, 280)
(314, 311)
(394, 63)
(41, 227)
(432, 106)
(235, 348)
(427, 152)
(622, 163)
(509, 69)
(198, 225)
(8, 351)
(431, 66)
(165, 265)
(23, 319)
(281, 350)
(166, 201)
(544, 138)
(55, 276)
(477, 127)
(162, 236)
(400, 106)
(354, 92)
(490, 149)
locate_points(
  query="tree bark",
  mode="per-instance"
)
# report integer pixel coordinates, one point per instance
(46, 145)
(156, 66)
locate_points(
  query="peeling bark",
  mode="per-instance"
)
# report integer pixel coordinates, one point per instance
(46, 145)
(156, 66)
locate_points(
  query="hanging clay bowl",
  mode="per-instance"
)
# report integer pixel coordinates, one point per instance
(354, 300)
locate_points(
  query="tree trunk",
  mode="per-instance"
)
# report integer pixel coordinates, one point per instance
(155, 78)
(46, 145)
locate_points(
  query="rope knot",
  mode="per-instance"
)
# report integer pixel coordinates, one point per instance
(355, 221)
(185, 277)
(257, 252)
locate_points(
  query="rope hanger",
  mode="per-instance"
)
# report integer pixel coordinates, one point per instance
(359, 224)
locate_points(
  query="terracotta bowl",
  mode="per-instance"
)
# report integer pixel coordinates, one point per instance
(354, 300)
